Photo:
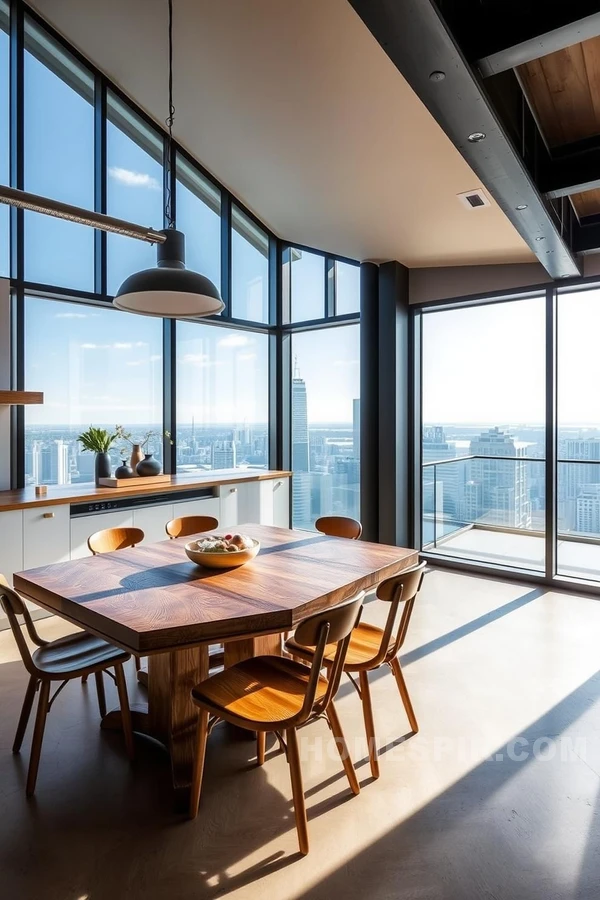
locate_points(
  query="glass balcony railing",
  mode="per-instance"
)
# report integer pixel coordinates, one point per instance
(492, 509)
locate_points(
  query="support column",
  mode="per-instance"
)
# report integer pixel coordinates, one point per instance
(369, 400)
(395, 499)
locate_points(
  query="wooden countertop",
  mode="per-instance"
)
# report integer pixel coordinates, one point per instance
(80, 493)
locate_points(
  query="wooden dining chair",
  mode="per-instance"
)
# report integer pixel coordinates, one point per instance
(276, 694)
(107, 541)
(61, 660)
(339, 526)
(187, 525)
(371, 647)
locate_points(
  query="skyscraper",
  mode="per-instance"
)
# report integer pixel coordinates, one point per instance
(504, 496)
(300, 455)
(588, 509)
(224, 455)
(301, 484)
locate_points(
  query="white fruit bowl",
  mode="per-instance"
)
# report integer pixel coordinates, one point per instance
(229, 560)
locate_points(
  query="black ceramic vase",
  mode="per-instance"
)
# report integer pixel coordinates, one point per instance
(148, 466)
(124, 470)
(102, 467)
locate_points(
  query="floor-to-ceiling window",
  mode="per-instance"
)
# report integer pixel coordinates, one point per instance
(578, 421)
(325, 387)
(483, 432)
(4, 136)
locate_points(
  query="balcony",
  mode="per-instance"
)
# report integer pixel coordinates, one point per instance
(498, 517)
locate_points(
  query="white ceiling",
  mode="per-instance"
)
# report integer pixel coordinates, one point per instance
(294, 106)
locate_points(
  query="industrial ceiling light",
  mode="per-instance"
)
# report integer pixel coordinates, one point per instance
(476, 137)
(169, 289)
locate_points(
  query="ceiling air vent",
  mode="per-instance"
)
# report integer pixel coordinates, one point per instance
(473, 199)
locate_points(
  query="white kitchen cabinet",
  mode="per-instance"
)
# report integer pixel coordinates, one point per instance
(204, 506)
(11, 543)
(275, 502)
(83, 526)
(46, 535)
(240, 502)
(152, 521)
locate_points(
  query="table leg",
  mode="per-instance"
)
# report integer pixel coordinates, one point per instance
(246, 648)
(172, 717)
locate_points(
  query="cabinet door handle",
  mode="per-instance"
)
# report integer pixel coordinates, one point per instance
(277, 484)
(233, 490)
(48, 515)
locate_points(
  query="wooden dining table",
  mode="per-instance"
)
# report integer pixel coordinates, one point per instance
(153, 601)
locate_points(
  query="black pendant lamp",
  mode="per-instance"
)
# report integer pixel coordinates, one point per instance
(169, 290)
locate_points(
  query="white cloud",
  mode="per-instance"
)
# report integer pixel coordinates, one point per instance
(194, 359)
(247, 356)
(118, 346)
(234, 340)
(72, 315)
(134, 179)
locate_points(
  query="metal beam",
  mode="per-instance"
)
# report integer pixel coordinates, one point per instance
(566, 175)
(416, 39)
(526, 51)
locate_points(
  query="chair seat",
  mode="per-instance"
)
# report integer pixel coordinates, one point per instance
(68, 655)
(365, 642)
(265, 690)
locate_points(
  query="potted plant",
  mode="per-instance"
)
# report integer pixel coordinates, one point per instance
(141, 461)
(98, 441)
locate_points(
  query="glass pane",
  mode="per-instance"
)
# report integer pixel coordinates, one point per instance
(134, 189)
(307, 285)
(59, 161)
(249, 269)
(198, 215)
(347, 289)
(578, 370)
(222, 398)
(478, 403)
(96, 367)
(326, 424)
(4, 137)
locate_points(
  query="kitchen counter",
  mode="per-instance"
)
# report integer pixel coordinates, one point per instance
(80, 493)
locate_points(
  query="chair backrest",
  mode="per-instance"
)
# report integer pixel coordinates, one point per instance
(333, 626)
(397, 590)
(339, 526)
(111, 539)
(14, 607)
(186, 525)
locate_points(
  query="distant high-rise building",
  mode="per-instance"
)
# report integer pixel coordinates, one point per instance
(449, 479)
(224, 455)
(300, 454)
(588, 509)
(504, 494)
(356, 428)
(50, 464)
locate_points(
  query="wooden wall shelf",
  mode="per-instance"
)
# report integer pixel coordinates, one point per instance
(17, 398)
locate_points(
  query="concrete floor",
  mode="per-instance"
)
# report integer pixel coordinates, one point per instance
(456, 813)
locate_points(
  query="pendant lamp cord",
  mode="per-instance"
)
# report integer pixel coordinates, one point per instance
(169, 123)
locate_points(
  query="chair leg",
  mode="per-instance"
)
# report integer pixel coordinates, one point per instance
(365, 695)
(297, 789)
(340, 742)
(138, 663)
(100, 691)
(84, 679)
(397, 670)
(261, 741)
(125, 711)
(202, 736)
(25, 713)
(38, 736)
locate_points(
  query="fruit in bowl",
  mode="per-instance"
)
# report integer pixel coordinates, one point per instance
(222, 551)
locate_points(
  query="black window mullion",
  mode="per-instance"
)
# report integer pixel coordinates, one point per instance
(170, 395)
(330, 288)
(226, 253)
(100, 184)
(551, 434)
(17, 136)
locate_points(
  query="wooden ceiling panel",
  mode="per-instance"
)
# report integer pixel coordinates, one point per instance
(563, 89)
(586, 203)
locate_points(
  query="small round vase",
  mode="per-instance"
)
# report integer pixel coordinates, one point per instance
(102, 466)
(137, 456)
(148, 466)
(124, 470)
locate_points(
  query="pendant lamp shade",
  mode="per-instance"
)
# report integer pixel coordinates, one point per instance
(170, 290)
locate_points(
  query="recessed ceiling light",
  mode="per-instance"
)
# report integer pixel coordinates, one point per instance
(477, 136)
(437, 76)
(540, 239)
(521, 206)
